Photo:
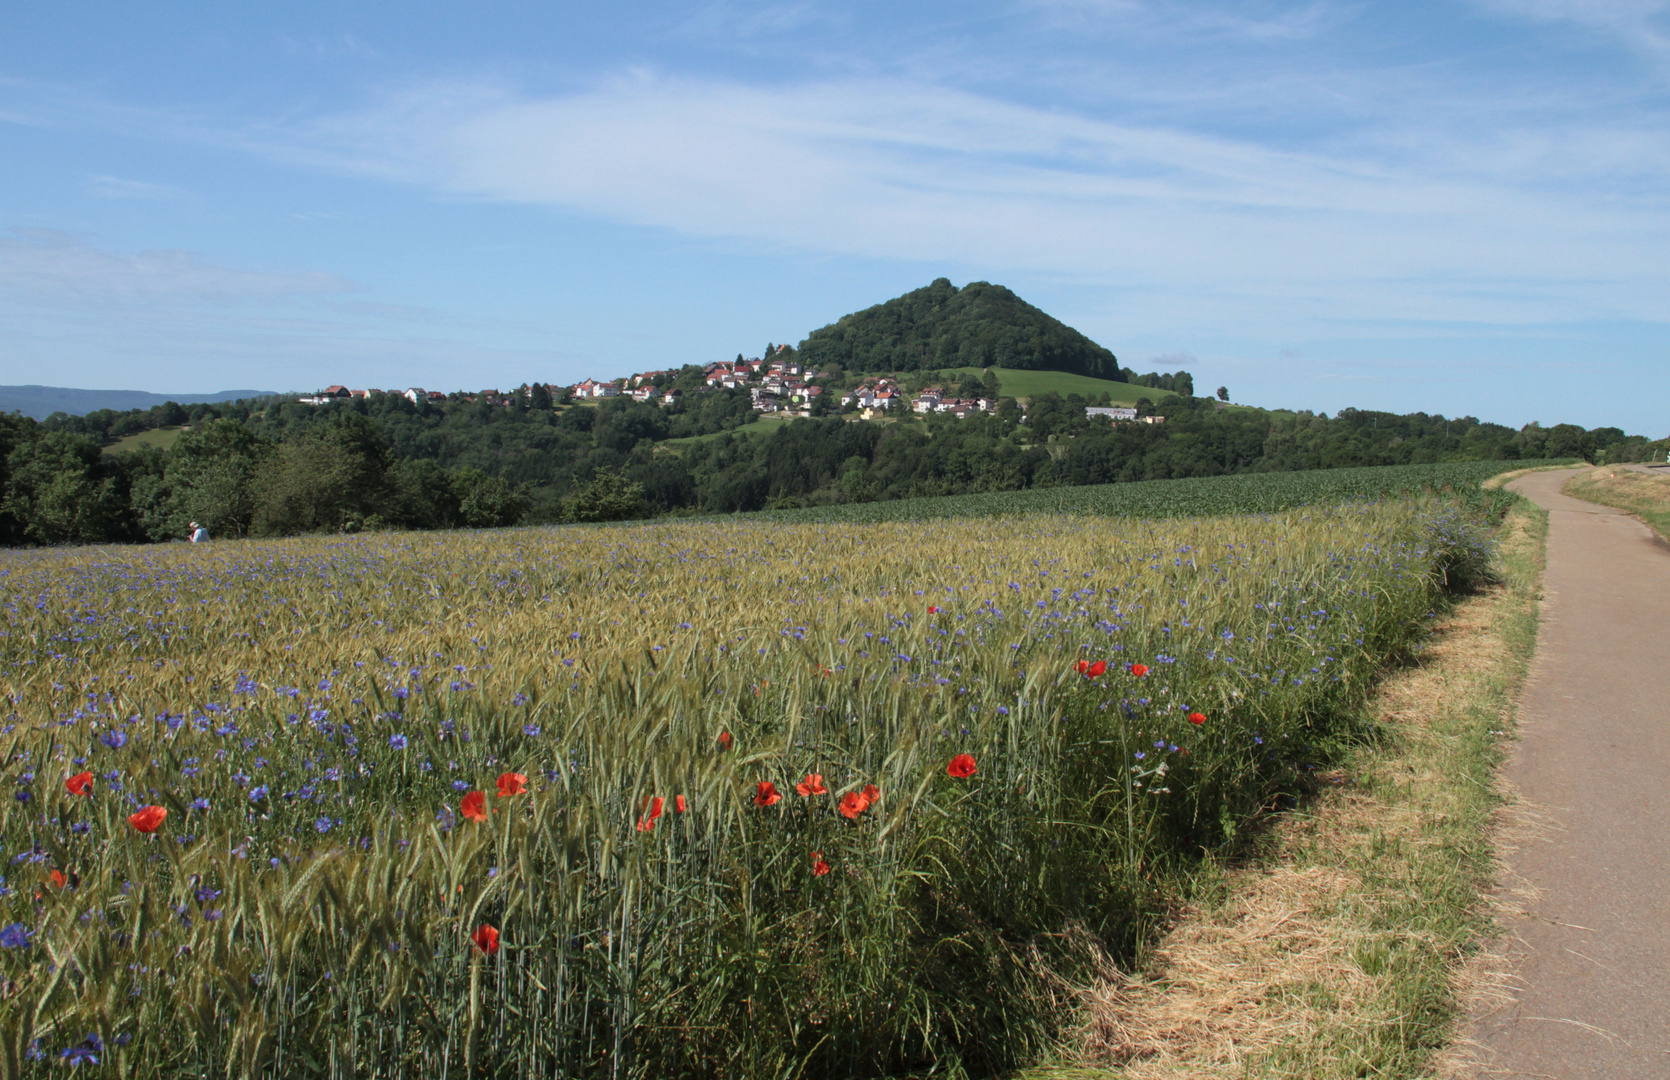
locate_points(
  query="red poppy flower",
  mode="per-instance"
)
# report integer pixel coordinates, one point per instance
(679, 805)
(812, 785)
(725, 740)
(1097, 669)
(932, 610)
(474, 806)
(961, 766)
(1197, 718)
(652, 811)
(766, 794)
(80, 784)
(1082, 666)
(872, 793)
(512, 783)
(148, 819)
(58, 878)
(819, 867)
(485, 938)
(852, 804)
(1139, 670)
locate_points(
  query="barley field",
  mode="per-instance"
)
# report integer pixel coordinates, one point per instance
(711, 799)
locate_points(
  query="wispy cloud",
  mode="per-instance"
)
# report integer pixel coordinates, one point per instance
(178, 321)
(1241, 22)
(47, 265)
(1634, 22)
(114, 187)
(1459, 227)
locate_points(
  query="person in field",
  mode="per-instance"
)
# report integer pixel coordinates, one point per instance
(198, 533)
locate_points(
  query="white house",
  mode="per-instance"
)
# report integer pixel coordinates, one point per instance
(1114, 414)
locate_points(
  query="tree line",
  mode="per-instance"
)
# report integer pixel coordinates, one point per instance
(270, 468)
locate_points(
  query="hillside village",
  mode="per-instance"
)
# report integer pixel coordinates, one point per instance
(778, 385)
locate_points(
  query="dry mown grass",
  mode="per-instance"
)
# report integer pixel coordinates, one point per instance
(1645, 495)
(1343, 951)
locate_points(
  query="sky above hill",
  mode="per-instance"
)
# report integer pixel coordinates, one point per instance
(1456, 207)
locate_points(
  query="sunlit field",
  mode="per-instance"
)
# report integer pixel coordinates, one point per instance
(704, 799)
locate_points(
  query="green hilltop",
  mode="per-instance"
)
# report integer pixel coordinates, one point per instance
(941, 326)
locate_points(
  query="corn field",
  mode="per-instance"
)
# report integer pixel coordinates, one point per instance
(1237, 493)
(711, 799)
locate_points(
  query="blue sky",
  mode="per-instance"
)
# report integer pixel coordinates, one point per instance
(1452, 207)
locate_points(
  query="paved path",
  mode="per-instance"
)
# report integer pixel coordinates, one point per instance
(1590, 956)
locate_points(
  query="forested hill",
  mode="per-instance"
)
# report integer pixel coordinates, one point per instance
(942, 326)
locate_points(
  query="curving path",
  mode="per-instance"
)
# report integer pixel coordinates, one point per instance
(1589, 940)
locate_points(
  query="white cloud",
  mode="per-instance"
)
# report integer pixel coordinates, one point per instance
(1506, 225)
(58, 267)
(1252, 24)
(114, 187)
(1637, 23)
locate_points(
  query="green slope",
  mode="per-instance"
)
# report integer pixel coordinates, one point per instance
(163, 437)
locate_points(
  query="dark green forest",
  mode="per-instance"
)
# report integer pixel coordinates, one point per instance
(942, 326)
(277, 467)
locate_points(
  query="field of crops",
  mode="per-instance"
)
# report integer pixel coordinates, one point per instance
(731, 799)
(1242, 493)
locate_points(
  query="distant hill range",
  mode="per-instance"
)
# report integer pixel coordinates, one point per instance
(941, 326)
(41, 402)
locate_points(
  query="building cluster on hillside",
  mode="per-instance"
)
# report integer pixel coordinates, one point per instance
(1121, 414)
(775, 384)
(414, 394)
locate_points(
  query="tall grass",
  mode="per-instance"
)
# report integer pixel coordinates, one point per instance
(311, 713)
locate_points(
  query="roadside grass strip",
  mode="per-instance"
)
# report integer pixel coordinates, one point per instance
(1350, 945)
(1642, 494)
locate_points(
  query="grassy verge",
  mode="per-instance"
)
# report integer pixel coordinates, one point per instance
(1339, 952)
(1642, 494)
(1504, 479)
(163, 437)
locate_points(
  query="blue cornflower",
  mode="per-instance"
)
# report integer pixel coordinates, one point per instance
(200, 804)
(15, 936)
(323, 824)
(80, 1055)
(114, 739)
(256, 794)
(460, 785)
(398, 742)
(530, 730)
